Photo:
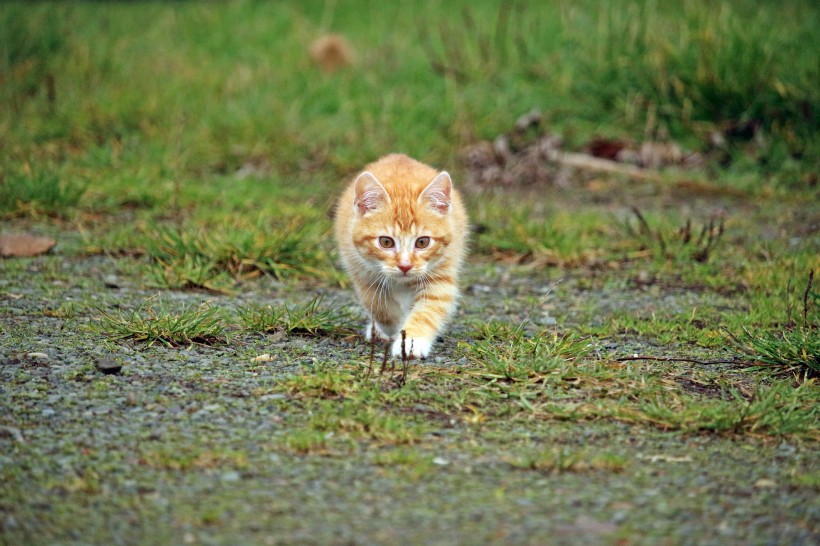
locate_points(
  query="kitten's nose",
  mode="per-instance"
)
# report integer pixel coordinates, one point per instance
(405, 267)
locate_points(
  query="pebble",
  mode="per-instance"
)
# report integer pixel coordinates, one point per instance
(37, 356)
(785, 450)
(108, 366)
(479, 289)
(263, 358)
(232, 476)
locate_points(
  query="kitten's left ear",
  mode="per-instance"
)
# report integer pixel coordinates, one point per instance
(369, 193)
(437, 193)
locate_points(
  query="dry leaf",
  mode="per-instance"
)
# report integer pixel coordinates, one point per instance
(263, 358)
(764, 483)
(23, 244)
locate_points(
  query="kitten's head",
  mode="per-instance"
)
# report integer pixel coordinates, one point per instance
(402, 233)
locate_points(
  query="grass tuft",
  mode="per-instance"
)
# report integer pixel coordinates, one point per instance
(307, 442)
(559, 460)
(205, 258)
(314, 318)
(685, 243)
(323, 383)
(31, 193)
(790, 350)
(191, 458)
(201, 324)
(191, 272)
(508, 353)
(358, 422)
(793, 347)
(520, 235)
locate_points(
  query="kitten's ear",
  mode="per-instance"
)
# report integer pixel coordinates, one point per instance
(437, 193)
(370, 194)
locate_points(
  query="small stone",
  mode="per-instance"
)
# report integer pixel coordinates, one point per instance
(479, 289)
(263, 358)
(108, 366)
(232, 476)
(441, 461)
(37, 356)
(111, 281)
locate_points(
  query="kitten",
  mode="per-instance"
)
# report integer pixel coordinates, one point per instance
(401, 230)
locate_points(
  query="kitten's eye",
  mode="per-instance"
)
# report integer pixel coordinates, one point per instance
(386, 242)
(422, 242)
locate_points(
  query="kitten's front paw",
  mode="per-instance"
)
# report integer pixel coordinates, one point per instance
(414, 347)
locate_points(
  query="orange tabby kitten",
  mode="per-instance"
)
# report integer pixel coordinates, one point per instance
(402, 235)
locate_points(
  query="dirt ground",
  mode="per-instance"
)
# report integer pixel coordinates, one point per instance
(185, 445)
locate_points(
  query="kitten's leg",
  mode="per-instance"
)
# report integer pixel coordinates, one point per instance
(384, 315)
(372, 331)
(431, 310)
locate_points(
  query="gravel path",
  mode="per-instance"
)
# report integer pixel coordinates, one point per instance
(184, 445)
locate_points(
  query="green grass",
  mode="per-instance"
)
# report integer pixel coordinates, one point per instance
(202, 259)
(794, 349)
(686, 243)
(313, 318)
(552, 237)
(557, 460)
(194, 101)
(710, 63)
(508, 354)
(347, 402)
(154, 322)
(33, 193)
(666, 329)
(185, 458)
(793, 344)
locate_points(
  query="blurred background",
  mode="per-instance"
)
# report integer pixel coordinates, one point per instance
(142, 89)
(249, 116)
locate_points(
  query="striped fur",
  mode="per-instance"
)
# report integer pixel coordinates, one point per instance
(410, 285)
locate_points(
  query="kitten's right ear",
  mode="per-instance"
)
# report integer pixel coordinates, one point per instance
(369, 193)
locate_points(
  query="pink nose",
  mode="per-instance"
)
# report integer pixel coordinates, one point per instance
(405, 267)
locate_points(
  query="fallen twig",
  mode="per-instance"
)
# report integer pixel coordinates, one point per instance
(372, 349)
(592, 163)
(404, 357)
(674, 359)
